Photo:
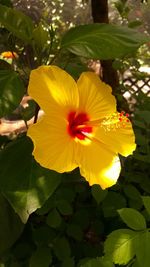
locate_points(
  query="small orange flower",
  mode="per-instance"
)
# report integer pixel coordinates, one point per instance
(9, 54)
(81, 127)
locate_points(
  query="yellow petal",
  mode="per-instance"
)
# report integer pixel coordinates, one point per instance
(98, 165)
(95, 96)
(119, 139)
(53, 147)
(53, 88)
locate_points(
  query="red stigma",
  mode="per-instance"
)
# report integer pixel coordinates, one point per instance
(77, 125)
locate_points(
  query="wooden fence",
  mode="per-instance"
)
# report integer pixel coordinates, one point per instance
(138, 85)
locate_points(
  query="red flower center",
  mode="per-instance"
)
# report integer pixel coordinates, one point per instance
(78, 125)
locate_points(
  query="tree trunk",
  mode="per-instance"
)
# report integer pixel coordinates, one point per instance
(100, 15)
(100, 11)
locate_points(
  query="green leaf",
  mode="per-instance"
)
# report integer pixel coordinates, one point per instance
(62, 248)
(98, 262)
(17, 23)
(143, 249)
(11, 91)
(10, 225)
(146, 201)
(41, 36)
(135, 264)
(6, 3)
(43, 235)
(112, 202)
(144, 115)
(132, 192)
(4, 65)
(133, 218)
(119, 246)
(135, 23)
(28, 112)
(68, 263)
(64, 207)
(75, 231)
(54, 219)
(41, 258)
(98, 193)
(25, 183)
(102, 41)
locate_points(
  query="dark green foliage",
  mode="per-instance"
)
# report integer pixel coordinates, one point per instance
(57, 220)
(94, 41)
(11, 91)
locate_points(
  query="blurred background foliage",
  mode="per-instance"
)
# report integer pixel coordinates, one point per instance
(48, 219)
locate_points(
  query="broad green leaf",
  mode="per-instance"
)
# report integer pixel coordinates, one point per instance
(10, 225)
(54, 219)
(25, 183)
(11, 91)
(98, 262)
(146, 201)
(119, 246)
(133, 218)
(102, 41)
(16, 22)
(98, 193)
(143, 249)
(62, 248)
(41, 258)
(41, 36)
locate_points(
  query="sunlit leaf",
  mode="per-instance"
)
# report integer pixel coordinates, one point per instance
(120, 246)
(143, 249)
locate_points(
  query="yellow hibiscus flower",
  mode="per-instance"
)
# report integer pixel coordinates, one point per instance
(81, 127)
